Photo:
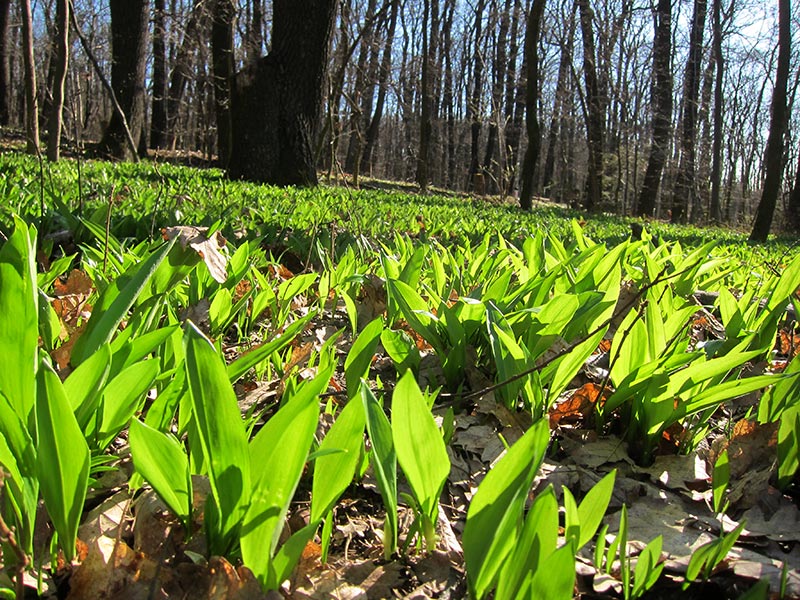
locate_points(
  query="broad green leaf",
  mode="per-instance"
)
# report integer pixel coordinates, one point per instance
(62, 458)
(84, 385)
(114, 304)
(401, 349)
(162, 461)
(419, 445)
(19, 329)
(719, 481)
(593, 508)
(289, 555)
(648, 569)
(384, 463)
(122, 397)
(555, 578)
(222, 436)
(786, 286)
(260, 353)
(280, 450)
(788, 446)
(334, 472)
(360, 356)
(495, 512)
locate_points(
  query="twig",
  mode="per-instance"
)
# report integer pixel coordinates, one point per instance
(8, 536)
(108, 228)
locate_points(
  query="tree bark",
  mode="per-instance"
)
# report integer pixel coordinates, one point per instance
(474, 103)
(715, 206)
(5, 90)
(276, 103)
(661, 103)
(773, 155)
(31, 100)
(595, 117)
(158, 117)
(793, 217)
(223, 13)
(129, 21)
(429, 46)
(685, 185)
(61, 39)
(360, 93)
(532, 34)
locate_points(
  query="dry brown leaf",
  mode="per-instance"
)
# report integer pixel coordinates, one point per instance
(580, 406)
(76, 283)
(208, 248)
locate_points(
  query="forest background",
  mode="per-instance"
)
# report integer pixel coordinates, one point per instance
(680, 110)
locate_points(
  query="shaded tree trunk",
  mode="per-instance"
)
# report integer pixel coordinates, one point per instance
(793, 216)
(594, 104)
(61, 59)
(129, 21)
(513, 124)
(5, 90)
(158, 116)
(773, 155)
(358, 112)
(474, 103)
(661, 103)
(685, 185)
(276, 102)
(498, 82)
(715, 206)
(532, 34)
(223, 13)
(429, 46)
(31, 100)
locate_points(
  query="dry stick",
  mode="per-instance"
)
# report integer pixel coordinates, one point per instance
(108, 228)
(8, 536)
(106, 84)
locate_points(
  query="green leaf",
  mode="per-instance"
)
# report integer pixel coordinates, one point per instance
(84, 385)
(496, 509)
(593, 508)
(719, 481)
(401, 349)
(19, 329)
(648, 569)
(62, 458)
(161, 460)
(222, 437)
(289, 555)
(114, 304)
(555, 579)
(419, 445)
(260, 353)
(384, 463)
(334, 472)
(360, 356)
(122, 397)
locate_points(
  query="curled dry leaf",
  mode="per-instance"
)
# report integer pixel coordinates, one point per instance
(208, 248)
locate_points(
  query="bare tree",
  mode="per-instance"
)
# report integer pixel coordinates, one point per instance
(532, 34)
(5, 89)
(61, 58)
(594, 110)
(773, 154)
(31, 96)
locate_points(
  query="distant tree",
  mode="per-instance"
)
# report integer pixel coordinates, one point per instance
(474, 103)
(661, 103)
(685, 184)
(5, 87)
(31, 96)
(223, 13)
(773, 154)
(532, 126)
(276, 102)
(129, 21)
(429, 48)
(793, 216)
(60, 60)
(158, 111)
(715, 205)
(594, 110)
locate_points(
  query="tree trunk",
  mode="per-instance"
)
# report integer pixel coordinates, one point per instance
(474, 103)
(715, 207)
(429, 48)
(499, 67)
(383, 82)
(512, 125)
(773, 155)
(685, 185)
(158, 117)
(793, 216)
(357, 113)
(661, 102)
(129, 21)
(223, 13)
(31, 101)
(276, 103)
(5, 89)
(532, 34)
(595, 117)
(61, 58)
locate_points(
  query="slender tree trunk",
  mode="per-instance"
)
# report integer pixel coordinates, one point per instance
(793, 216)
(383, 84)
(595, 117)
(158, 117)
(498, 80)
(661, 103)
(223, 14)
(31, 100)
(773, 155)
(512, 126)
(276, 104)
(357, 113)
(474, 103)
(5, 89)
(129, 21)
(715, 207)
(532, 34)
(685, 184)
(429, 49)
(61, 58)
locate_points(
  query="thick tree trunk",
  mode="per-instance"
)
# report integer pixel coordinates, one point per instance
(429, 49)
(61, 58)
(595, 117)
(129, 20)
(532, 34)
(773, 155)
(5, 90)
(661, 102)
(31, 100)
(158, 117)
(685, 185)
(276, 103)
(223, 13)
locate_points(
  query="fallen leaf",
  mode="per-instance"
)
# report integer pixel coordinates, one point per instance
(208, 248)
